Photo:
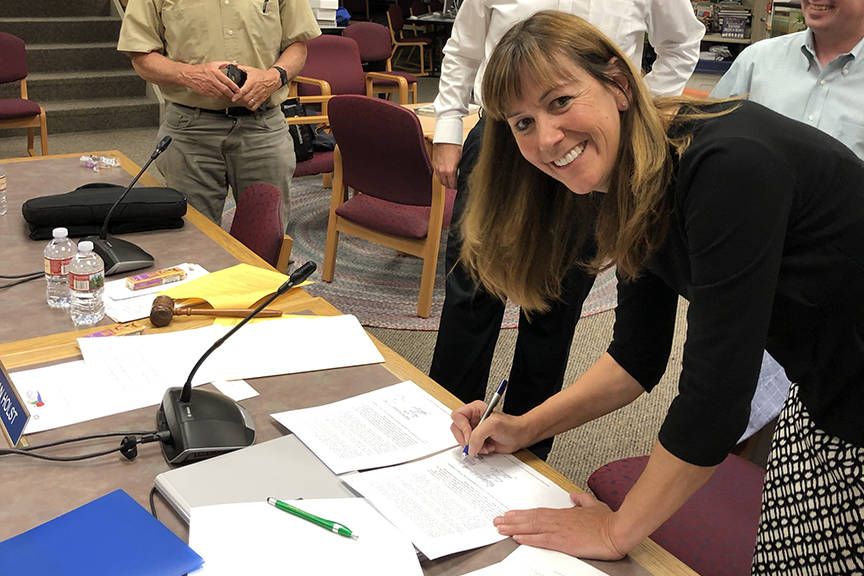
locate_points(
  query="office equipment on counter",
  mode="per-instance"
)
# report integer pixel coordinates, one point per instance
(108, 536)
(283, 466)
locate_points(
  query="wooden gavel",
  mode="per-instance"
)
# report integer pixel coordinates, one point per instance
(163, 311)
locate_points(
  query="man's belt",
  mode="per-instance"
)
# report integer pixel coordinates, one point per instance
(230, 111)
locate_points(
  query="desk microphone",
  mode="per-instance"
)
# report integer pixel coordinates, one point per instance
(120, 255)
(203, 424)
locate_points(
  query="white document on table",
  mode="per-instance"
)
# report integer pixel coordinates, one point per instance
(446, 503)
(124, 305)
(380, 428)
(257, 538)
(278, 346)
(119, 374)
(530, 561)
(60, 395)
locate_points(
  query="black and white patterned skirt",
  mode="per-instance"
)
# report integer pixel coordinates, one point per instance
(812, 520)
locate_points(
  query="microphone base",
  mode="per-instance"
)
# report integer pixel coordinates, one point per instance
(208, 425)
(119, 255)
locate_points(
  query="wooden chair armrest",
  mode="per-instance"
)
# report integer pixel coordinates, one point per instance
(317, 119)
(322, 85)
(284, 257)
(322, 99)
(382, 76)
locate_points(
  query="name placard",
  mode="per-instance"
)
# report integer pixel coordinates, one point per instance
(13, 412)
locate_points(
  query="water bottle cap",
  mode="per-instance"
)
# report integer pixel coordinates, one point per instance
(85, 246)
(60, 232)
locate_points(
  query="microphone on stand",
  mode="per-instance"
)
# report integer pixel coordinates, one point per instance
(120, 255)
(203, 424)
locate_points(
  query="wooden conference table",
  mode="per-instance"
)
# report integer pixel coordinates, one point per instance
(31, 335)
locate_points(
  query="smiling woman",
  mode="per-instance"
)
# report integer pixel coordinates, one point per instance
(755, 219)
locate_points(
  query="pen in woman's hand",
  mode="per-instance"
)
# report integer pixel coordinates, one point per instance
(493, 402)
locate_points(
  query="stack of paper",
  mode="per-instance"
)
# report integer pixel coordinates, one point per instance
(444, 503)
(325, 11)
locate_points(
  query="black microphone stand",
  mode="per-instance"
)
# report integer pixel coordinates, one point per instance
(203, 424)
(120, 255)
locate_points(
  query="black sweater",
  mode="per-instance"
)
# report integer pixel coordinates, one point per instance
(767, 244)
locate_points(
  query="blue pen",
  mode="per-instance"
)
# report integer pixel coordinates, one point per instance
(492, 404)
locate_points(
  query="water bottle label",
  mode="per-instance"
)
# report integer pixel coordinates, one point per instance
(57, 267)
(86, 282)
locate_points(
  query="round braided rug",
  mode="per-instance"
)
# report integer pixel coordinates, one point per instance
(378, 285)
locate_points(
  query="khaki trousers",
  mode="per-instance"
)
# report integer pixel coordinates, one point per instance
(211, 151)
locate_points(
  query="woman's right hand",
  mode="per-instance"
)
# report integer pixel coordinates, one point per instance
(499, 433)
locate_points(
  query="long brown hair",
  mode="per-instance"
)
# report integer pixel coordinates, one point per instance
(522, 229)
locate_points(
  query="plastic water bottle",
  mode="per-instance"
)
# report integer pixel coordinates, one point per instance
(3, 204)
(86, 284)
(58, 253)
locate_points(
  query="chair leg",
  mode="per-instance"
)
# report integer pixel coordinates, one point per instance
(327, 180)
(30, 134)
(43, 132)
(337, 197)
(330, 249)
(427, 284)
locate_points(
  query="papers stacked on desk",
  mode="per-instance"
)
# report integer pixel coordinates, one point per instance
(444, 503)
(120, 374)
(380, 428)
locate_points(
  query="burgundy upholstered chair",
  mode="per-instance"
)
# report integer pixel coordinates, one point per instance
(396, 23)
(398, 201)
(714, 532)
(333, 66)
(20, 112)
(373, 41)
(258, 224)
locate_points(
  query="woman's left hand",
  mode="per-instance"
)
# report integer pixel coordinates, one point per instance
(584, 531)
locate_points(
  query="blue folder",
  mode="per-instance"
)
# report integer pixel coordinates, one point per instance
(110, 535)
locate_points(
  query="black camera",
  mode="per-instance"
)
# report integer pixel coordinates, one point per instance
(236, 75)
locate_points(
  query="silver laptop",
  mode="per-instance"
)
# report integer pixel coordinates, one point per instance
(283, 468)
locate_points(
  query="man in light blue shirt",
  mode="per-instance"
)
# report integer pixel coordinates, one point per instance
(816, 77)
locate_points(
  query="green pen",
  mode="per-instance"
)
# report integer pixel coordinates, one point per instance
(334, 527)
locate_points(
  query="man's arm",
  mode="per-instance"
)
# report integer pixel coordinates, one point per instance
(675, 33)
(462, 57)
(206, 79)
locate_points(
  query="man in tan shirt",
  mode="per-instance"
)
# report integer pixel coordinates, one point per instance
(222, 134)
